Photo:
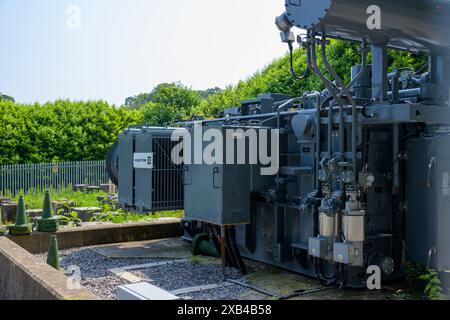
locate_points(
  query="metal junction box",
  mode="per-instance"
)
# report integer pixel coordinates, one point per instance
(318, 247)
(343, 253)
(217, 194)
(220, 193)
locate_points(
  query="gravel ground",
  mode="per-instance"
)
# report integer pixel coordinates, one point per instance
(96, 278)
(186, 274)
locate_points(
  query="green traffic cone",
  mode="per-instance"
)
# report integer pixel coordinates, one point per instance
(47, 210)
(53, 254)
(47, 223)
(201, 245)
(21, 227)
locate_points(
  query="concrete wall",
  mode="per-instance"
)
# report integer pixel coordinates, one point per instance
(24, 277)
(101, 234)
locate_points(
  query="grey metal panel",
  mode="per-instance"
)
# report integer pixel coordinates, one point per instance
(126, 172)
(143, 177)
(404, 113)
(202, 201)
(219, 194)
(428, 199)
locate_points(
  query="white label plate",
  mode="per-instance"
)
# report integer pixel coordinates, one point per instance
(143, 160)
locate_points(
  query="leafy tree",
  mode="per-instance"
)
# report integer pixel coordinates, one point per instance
(170, 102)
(208, 92)
(138, 101)
(4, 97)
(155, 114)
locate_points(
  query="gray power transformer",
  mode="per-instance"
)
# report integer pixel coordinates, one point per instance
(147, 178)
(363, 174)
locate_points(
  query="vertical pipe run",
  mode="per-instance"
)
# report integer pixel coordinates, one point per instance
(379, 72)
(317, 144)
(222, 249)
(354, 142)
(344, 91)
(331, 88)
(396, 151)
(440, 68)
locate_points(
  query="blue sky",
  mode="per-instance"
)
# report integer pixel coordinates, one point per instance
(125, 47)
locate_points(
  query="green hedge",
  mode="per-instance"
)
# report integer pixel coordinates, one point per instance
(60, 131)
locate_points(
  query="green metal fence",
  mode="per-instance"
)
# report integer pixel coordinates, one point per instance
(23, 177)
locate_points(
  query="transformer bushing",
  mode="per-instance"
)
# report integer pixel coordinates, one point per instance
(21, 226)
(48, 222)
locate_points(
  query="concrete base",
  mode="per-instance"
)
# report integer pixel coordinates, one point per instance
(101, 234)
(34, 213)
(85, 214)
(24, 277)
(174, 248)
(8, 211)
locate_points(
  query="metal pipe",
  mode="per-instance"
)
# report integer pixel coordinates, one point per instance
(330, 88)
(222, 249)
(318, 125)
(396, 154)
(408, 93)
(315, 68)
(250, 117)
(337, 79)
(354, 142)
(363, 66)
(344, 91)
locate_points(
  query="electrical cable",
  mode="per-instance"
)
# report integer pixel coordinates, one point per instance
(291, 61)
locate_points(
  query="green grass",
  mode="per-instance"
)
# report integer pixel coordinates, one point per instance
(35, 198)
(125, 217)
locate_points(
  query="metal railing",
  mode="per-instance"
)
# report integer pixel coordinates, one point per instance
(23, 177)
